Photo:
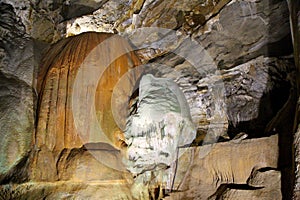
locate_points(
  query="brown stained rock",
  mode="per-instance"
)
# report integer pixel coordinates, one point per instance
(171, 14)
(80, 165)
(67, 190)
(248, 163)
(230, 170)
(113, 121)
(56, 128)
(234, 34)
(55, 120)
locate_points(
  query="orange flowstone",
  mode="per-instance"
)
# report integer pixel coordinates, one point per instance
(55, 126)
(55, 121)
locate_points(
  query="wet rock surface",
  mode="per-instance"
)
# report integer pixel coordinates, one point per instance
(64, 118)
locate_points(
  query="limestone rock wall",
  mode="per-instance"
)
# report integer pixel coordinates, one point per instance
(250, 173)
(247, 46)
(17, 94)
(231, 32)
(210, 177)
(295, 27)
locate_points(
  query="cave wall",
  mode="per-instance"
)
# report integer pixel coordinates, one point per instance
(294, 8)
(249, 48)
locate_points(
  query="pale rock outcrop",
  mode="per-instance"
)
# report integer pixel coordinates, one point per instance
(243, 175)
(243, 96)
(255, 28)
(160, 125)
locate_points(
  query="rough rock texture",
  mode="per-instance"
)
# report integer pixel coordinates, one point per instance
(251, 86)
(62, 120)
(231, 32)
(102, 20)
(17, 109)
(66, 190)
(76, 8)
(294, 7)
(250, 173)
(297, 163)
(16, 125)
(241, 176)
(85, 164)
(243, 101)
(160, 125)
(257, 28)
(247, 48)
(41, 19)
(254, 28)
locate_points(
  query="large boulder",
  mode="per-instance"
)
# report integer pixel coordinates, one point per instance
(242, 176)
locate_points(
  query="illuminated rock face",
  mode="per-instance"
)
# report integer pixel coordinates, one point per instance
(56, 129)
(160, 126)
(242, 37)
(250, 173)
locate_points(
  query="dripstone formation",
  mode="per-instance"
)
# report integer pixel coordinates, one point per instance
(68, 77)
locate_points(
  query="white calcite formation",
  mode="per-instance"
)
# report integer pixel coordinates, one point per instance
(161, 125)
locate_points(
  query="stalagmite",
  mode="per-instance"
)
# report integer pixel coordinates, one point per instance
(161, 125)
